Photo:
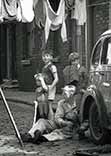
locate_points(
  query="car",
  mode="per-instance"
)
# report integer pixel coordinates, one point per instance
(96, 102)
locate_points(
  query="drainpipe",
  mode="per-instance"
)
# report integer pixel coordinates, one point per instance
(0, 60)
(109, 14)
(79, 42)
(86, 37)
(8, 54)
(89, 33)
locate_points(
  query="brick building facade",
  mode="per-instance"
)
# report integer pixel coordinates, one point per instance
(98, 20)
(21, 44)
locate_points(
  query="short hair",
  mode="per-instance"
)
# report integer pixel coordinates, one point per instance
(73, 56)
(47, 52)
(70, 88)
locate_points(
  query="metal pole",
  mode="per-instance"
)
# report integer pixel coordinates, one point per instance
(11, 118)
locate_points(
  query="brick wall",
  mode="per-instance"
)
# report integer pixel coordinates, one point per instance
(100, 17)
(97, 22)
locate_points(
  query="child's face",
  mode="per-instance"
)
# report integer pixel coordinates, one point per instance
(67, 94)
(46, 58)
(75, 62)
(38, 82)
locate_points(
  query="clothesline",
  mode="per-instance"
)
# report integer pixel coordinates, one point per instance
(98, 4)
(45, 15)
(70, 7)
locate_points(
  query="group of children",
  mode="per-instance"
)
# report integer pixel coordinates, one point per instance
(65, 117)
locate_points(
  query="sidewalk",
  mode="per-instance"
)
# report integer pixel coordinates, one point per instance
(25, 97)
(8, 143)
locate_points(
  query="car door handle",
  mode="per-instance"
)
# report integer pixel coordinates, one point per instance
(101, 73)
(105, 84)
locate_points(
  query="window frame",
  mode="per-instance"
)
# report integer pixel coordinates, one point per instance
(107, 37)
(93, 52)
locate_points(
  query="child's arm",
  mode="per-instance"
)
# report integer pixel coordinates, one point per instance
(44, 86)
(55, 74)
(56, 79)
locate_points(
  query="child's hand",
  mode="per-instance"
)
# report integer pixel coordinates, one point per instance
(36, 76)
(43, 84)
(41, 78)
(82, 90)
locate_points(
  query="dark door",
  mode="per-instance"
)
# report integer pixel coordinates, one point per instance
(8, 51)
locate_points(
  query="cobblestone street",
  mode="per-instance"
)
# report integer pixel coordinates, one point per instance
(23, 115)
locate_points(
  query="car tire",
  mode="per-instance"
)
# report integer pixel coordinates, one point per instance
(98, 133)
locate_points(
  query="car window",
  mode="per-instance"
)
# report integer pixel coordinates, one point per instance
(106, 53)
(96, 54)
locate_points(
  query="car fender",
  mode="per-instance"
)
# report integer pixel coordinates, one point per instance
(93, 94)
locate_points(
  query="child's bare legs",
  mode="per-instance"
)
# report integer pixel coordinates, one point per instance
(43, 109)
(51, 113)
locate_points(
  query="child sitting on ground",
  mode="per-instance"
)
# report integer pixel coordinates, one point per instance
(64, 122)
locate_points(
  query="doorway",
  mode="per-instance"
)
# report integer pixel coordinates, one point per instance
(8, 51)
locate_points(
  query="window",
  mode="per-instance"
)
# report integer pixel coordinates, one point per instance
(106, 53)
(96, 54)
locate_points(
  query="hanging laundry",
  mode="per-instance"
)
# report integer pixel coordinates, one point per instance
(79, 13)
(55, 20)
(11, 7)
(25, 12)
(35, 3)
(1, 17)
(54, 4)
(8, 10)
(39, 12)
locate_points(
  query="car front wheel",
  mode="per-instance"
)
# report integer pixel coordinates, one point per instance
(98, 133)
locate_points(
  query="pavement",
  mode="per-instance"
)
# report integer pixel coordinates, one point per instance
(9, 145)
(24, 97)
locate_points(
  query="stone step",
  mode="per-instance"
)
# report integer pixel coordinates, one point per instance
(10, 84)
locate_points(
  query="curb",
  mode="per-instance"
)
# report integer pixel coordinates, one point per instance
(25, 102)
(19, 101)
(19, 154)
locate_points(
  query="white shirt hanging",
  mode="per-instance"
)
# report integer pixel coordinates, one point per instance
(25, 12)
(55, 19)
(79, 13)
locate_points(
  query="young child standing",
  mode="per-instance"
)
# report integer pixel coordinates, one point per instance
(50, 75)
